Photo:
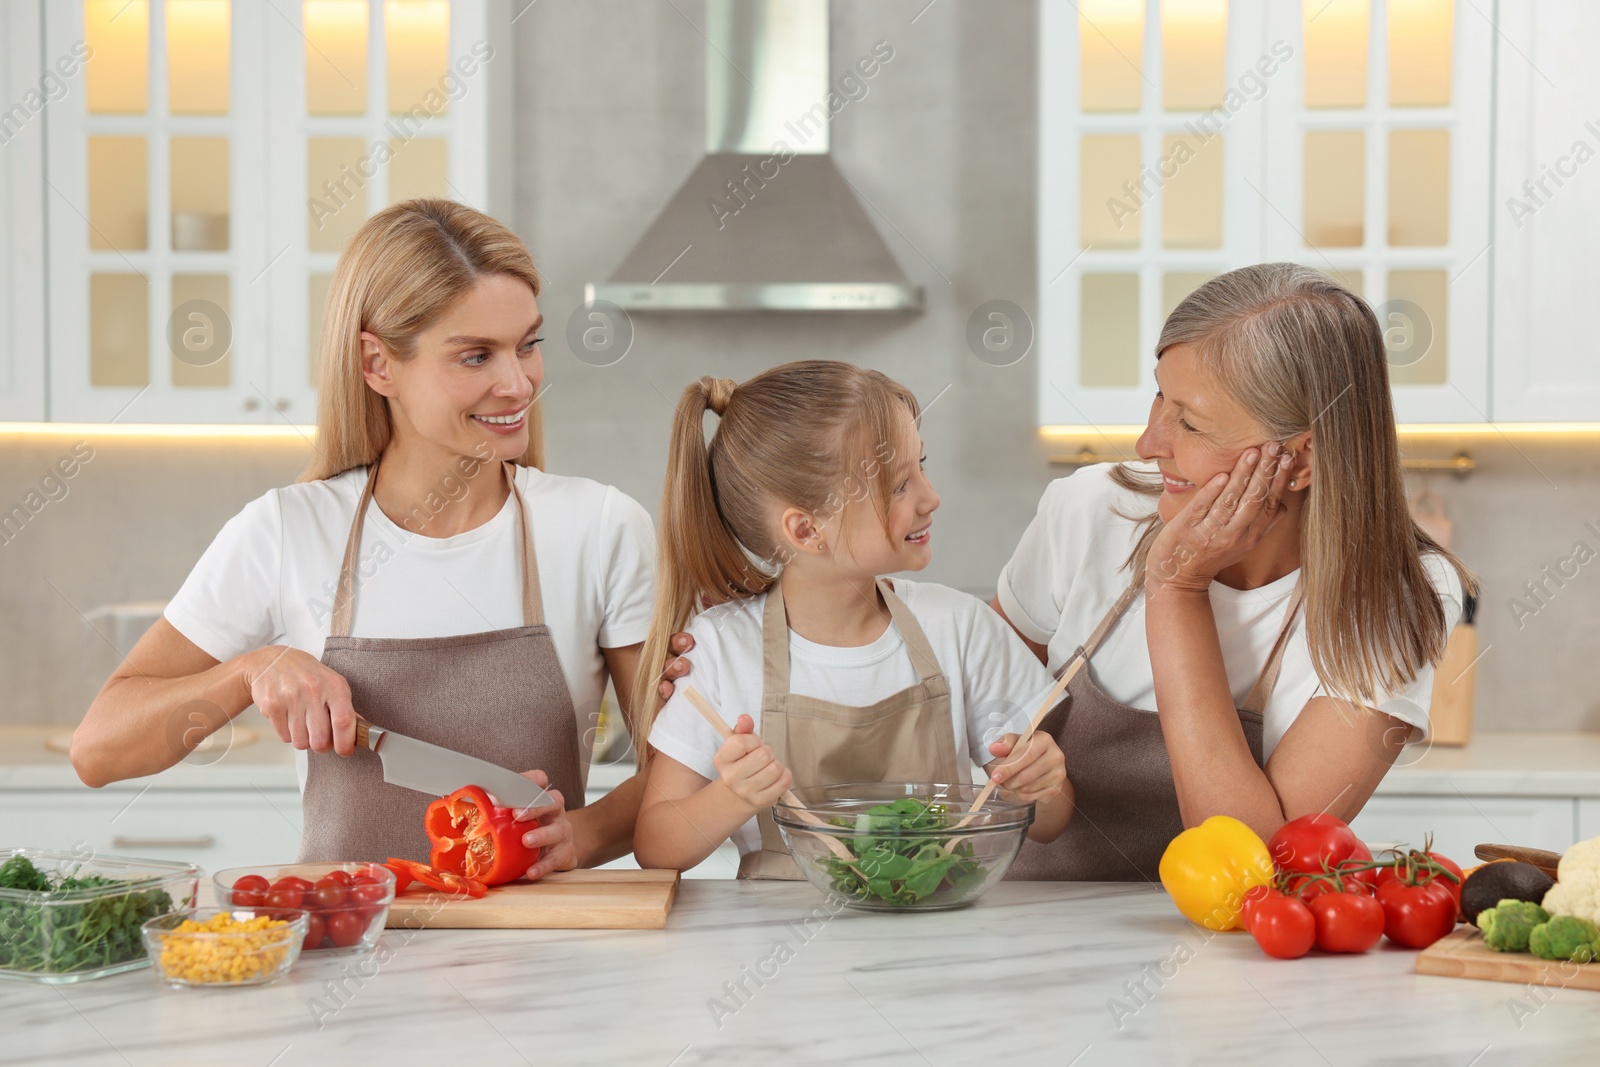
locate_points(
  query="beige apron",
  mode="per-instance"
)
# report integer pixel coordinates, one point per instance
(1126, 803)
(906, 737)
(499, 696)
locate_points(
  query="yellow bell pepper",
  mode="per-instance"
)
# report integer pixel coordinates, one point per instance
(1209, 868)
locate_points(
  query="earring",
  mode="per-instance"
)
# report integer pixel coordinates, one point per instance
(1291, 483)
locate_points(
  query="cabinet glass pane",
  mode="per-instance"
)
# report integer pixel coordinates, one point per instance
(200, 332)
(316, 307)
(418, 168)
(119, 329)
(1191, 199)
(1108, 333)
(1414, 334)
(1194, 47)
(1335, 188)
(117, 74)
(1420, 35)
(336, 56)
(417, 33)
(197, 57)
(336, 196)
(200, 194)
(1419, 187)
(1336, 52)
(1179, 284)
(1108, 214)
(1350, 279)
(1110, 54)
(119, 182)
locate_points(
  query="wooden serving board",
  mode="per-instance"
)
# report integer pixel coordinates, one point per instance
(568, 900)
(1464, 955)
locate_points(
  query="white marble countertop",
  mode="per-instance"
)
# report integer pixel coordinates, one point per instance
(1034, 973)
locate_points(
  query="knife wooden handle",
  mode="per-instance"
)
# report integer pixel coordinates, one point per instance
(361, 733)
(1543, 859)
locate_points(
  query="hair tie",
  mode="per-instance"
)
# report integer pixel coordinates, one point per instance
(719, 392)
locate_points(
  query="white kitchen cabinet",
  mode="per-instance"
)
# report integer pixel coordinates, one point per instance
(26, 95)
(1462, 822)
(1546, 227)
(1588, 819)
(209, 163)
(215, 828)
(1316, 154)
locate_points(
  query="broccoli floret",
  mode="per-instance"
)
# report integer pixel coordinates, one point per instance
(1506, 926)
(1565, 937)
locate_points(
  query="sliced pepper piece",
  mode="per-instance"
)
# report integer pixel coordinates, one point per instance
(1209, 868)
(442, 881)
(402, 876)
(474, 838)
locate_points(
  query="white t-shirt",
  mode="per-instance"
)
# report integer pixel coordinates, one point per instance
(996, 684)
(1067, 572)
(269, 577)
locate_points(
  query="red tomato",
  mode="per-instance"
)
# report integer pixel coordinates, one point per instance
(1453, 888)
(1283, 926)
(1347, 922)
(316, 930)
(342, 877)
(1309, 889)
(345, 928)
(284, 897)
(1362, 855)
(1313, 842)
(1395, 872)
(1416, 915)
(329, 892)
(1252, 900)
(292, 880)
(368, 892)
(250, 891)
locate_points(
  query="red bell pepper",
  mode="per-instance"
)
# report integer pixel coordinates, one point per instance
(473, 838)
(433, 878)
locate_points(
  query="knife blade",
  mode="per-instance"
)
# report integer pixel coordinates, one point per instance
(439, 771)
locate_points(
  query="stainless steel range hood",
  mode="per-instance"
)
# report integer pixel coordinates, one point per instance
(766, 221)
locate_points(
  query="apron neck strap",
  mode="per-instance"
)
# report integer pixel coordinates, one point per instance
(775, 638)
(344, 595)
(1256, 700)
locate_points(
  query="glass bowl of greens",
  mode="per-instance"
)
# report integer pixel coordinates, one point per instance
(72, 916)
(908, 853)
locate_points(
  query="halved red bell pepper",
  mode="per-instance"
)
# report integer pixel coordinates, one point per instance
(433, 878)
(474, 838)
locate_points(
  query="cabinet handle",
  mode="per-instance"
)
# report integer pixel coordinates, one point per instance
(202, 841)
(281, 404)
(251, 403)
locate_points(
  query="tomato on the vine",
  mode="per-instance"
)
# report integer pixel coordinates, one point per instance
(1315, 843)
(1416, 915)
(1281, 925)
(1347, 922)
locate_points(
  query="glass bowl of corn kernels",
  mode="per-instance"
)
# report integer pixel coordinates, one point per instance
(216, 947)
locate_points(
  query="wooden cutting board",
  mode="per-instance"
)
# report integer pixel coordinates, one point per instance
(568, 900)
(1464, 955)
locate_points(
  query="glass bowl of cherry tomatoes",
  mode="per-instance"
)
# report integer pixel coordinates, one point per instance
(346, 903)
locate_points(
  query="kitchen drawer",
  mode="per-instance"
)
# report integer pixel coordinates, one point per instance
(214, 828)
(1588, 819)
(1460, 823)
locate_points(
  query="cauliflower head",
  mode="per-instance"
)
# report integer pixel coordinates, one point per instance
(1577, 888)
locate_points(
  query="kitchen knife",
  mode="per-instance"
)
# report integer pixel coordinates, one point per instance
(440, 771)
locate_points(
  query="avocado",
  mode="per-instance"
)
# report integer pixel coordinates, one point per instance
(1502, 880)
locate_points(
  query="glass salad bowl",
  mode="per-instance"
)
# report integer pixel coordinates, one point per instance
(348, 902)
(908, 856)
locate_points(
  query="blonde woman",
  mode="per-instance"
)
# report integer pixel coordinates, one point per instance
(425, 573)
(1260, 614)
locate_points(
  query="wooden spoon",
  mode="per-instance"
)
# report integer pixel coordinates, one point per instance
(720, 724)
(1050, 701)
(1536, 857)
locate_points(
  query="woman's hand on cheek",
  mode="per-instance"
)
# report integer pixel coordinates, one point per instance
(552, 833)
(1226, 519)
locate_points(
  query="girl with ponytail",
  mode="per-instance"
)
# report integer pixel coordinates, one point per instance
(777, 533)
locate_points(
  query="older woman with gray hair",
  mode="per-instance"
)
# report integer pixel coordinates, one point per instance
(1260, 615)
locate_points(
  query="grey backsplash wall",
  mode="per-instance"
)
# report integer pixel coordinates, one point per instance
(609, 121)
